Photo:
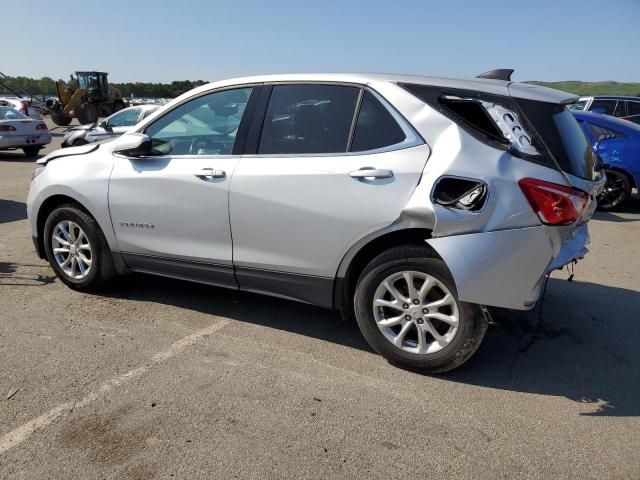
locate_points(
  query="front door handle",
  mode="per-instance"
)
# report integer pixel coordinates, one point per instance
(210, 174)
(371, 172)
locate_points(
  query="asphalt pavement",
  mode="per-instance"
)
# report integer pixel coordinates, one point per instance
(156, 378)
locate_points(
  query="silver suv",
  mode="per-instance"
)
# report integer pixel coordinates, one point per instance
(411, 202)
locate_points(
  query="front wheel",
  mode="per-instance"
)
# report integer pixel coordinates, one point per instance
(86, 113)
(616, 191)
(407, 308)
(76, 248)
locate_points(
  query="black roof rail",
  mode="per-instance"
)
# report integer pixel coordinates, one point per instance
(498, 74)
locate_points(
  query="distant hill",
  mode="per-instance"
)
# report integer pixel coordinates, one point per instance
(594, 88)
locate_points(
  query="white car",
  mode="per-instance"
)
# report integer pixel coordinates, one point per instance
(111, 127)
(411, 203)
(21, 106)
(19, 131)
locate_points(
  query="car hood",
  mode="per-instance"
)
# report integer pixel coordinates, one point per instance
(69, 151)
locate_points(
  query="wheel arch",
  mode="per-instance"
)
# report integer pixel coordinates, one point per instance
(359, 256)
(628, 174)
(48, 206)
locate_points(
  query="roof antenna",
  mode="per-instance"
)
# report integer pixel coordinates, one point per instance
(498, 74)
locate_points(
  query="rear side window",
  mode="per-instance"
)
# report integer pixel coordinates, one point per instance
(634, 108)
(606, 107)
(375, 127)
(308, 119)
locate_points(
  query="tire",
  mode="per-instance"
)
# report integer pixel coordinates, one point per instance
(117, 106)
(79, 141)
(101, 270)
(616, 192)
(459, 342)
(60, 120)
(87, 113)
(32, 151)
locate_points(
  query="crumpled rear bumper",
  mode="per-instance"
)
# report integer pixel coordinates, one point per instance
(505, 268)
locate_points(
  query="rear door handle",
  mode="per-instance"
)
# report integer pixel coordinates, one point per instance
(210, 174)
(371, 172)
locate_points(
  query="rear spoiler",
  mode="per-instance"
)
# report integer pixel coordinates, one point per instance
(498, 74)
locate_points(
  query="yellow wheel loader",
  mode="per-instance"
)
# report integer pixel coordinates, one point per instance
(86, 97)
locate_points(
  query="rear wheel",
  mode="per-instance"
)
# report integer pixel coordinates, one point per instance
(32, 151)
(87, 113)
(617, 190)
(76, 248)
(61, 120)
(407, 308)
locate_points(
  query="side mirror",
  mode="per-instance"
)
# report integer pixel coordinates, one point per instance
(134, 145)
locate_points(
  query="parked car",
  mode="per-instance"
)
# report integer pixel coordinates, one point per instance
(19, 131)
(627, 108)
(110, 127)
(618, 144)
(413, 202)
(22, 106)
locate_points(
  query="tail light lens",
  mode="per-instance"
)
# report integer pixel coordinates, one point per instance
(7, 128)
(41, 126)
(555, 204)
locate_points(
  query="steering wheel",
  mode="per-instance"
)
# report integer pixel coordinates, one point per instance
(201, 143)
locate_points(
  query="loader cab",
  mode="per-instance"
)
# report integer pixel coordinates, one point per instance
(96, 85)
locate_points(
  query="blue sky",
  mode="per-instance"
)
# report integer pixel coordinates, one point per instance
(166, 40)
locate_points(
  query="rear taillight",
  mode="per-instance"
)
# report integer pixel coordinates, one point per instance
(555, 204)
(41, 126)
(7, 128)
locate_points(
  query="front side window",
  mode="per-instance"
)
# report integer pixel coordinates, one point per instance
(308, 119)
(126, 118)
(376, 127)
(606, 107)
(206, 125)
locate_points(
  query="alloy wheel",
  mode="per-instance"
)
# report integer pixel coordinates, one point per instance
(416, 312)
(614, 191)
(71, 249)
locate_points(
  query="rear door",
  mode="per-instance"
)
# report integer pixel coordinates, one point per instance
(325, 165)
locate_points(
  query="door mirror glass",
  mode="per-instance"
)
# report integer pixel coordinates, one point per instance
(134, 145)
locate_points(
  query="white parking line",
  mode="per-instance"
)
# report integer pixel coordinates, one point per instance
(20, 434)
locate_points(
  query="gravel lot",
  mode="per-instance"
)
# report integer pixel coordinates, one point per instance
(163, 379)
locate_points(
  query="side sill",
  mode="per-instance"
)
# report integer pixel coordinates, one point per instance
(211, 274)
(292, 286)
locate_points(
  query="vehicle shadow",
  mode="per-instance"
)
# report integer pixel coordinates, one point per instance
(584, 349)
(11, 211)
(631, 206)
(17, 156)
(25, 275)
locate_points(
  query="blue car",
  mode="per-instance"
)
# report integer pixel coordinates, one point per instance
(618, 144)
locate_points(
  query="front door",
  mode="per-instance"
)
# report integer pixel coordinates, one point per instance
(170, 210)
